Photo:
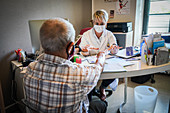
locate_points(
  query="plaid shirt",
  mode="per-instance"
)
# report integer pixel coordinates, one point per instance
(56, 85)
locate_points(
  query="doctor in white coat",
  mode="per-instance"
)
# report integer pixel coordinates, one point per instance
(99, 37)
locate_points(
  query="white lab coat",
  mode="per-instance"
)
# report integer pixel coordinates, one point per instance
(106, 38)
(90, 38)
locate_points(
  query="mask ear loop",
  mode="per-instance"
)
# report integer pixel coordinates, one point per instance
(69, 56)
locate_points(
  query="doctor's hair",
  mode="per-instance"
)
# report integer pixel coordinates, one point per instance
(55, 34)
(100, 14)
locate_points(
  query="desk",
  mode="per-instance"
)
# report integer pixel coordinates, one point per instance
(139, 68)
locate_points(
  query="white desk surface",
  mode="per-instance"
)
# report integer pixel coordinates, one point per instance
(16, 64)
(139, 68)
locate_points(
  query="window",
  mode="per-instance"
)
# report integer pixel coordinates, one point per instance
(159, 16)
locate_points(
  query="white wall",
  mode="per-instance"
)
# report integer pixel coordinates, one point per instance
(101, 4)
(14, 29)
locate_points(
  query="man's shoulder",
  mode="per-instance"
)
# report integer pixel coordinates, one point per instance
(32, 64)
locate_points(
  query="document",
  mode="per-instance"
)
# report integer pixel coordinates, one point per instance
(91, 59)
(116, 65)
(112, 64)
(120, 61)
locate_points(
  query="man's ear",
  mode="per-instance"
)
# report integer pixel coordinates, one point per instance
(70, 48)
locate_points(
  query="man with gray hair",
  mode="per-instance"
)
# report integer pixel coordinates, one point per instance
(53, 84)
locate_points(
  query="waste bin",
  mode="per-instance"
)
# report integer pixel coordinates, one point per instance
(145, 99)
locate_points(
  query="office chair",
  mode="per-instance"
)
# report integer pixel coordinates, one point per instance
(29, 108)
(84, 30)
(80, 35)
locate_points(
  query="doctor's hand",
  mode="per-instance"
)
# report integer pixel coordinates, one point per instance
(88, 47)
(86, 50)
(114, 49)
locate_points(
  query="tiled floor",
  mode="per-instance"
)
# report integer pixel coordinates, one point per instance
(162, 84)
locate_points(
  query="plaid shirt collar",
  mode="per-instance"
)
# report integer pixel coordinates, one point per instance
(52, 59)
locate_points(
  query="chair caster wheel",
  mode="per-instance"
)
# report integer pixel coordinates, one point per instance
(118, 111)
(152, 81)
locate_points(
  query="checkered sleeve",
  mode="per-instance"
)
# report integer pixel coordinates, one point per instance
(86, 76)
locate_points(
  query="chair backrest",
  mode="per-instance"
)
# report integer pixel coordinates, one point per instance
(81, 33)
(84, 30)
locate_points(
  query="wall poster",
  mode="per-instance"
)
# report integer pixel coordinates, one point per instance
(123, 7)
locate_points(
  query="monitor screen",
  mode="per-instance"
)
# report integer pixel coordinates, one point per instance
(34, 26)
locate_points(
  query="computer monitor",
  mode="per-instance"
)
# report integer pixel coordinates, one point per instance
(34, 26)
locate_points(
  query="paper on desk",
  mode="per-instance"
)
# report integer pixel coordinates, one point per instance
(120, 61)
(109, 56)
(122, 53)
(112, 59)
(91, 59)
(116, 67)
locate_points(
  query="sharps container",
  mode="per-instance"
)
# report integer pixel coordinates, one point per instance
(145, 99)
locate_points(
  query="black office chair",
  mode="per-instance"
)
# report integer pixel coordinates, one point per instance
(30, 108)
(96, 92)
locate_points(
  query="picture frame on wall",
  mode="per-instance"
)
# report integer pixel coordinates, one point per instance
(123, 7)
(111, 14)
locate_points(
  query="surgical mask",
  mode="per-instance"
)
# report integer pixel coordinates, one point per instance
(99, 28)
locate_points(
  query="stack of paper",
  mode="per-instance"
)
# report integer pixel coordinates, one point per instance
(111, 64)
(116, 65)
